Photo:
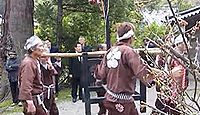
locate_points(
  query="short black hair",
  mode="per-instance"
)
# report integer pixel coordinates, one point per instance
(75, 45)
(123, 28)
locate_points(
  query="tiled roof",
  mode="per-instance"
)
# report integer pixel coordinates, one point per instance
(187, 13)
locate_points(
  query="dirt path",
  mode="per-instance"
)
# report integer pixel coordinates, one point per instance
(69, 108)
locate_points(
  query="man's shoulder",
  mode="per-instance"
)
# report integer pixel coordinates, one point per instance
(127, 49)
(27, 61)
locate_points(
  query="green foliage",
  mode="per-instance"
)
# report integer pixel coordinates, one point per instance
(5, 103)
(153, 31)
(150, 4)
(82, 19)
(180, 4)
(122, 11)
(64, 95)
(45, 25)
(184, 5)
(6, 106)
(78, 24)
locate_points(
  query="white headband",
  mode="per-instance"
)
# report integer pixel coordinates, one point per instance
(32, 41)
(127, 35)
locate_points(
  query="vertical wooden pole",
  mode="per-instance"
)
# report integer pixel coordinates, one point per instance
(59, 22)
(107, 26)
(143, 97)
(85, 82)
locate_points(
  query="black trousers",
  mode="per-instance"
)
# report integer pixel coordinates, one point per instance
(76, 84)
(102, 109)
(56, 83)
(14, 91)
(50, 104)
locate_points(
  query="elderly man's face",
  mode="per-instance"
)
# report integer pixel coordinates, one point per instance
(82, 40)
(39, 49)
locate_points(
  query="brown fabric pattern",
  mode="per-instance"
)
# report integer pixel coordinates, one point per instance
(115, 108)
(29, 79)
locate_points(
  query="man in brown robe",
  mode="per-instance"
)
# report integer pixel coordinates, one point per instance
(48, 71)
(30, 84)
(119, 67)
(167, 99)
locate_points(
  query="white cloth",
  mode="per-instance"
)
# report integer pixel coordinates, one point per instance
(45, 66)
(179, 39)
(127, 35)
(49, 88)
(32, 41)
(58, 63)
(79, 58)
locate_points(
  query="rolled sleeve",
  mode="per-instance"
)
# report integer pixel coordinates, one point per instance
(100, 71)
(27, 76)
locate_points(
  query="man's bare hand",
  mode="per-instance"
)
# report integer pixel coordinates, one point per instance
(30, 106)
(177, 71)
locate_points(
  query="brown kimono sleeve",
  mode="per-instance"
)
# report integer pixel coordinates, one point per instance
(139, 69)
(100, 71)
(27, 76)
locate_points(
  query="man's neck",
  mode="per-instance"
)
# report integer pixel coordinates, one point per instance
(33, 56)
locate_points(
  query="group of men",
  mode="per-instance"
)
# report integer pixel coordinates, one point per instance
(36, 80)
(119, 68)
(75, 67)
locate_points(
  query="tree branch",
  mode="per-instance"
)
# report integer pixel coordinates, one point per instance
(79, 10)
(79, 7)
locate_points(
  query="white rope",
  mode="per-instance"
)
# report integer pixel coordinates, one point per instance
(52, 86)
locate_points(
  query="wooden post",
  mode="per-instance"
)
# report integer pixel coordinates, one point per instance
(107, 26)
(85, 82)
(143, 97)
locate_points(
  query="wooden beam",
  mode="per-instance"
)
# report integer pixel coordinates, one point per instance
(149, 50)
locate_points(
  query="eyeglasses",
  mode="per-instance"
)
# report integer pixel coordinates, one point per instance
(11, 54)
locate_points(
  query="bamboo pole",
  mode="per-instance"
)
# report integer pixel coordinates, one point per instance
(149, 50)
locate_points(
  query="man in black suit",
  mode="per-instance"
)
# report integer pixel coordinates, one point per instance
(85, 48)
(76, 71)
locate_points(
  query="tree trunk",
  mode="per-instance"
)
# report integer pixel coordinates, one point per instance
(18, 26)
(59, 22)
(2, 6)
(20, 23)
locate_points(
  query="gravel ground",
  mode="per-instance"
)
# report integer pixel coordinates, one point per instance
(69, 108)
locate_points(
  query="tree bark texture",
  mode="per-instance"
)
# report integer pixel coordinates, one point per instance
(2, 6)
(17, 27)
(19, 23)
(59, 22)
